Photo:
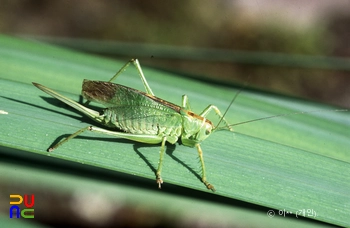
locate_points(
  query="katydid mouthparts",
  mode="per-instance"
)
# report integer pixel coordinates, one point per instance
(142, 117)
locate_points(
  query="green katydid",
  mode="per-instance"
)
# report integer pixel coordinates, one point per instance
(143, 117)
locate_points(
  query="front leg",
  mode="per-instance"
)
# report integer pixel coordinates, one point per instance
(205, 112)
(217, 111)
(204, 177)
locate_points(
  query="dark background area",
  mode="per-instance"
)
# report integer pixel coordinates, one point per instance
(298, 48)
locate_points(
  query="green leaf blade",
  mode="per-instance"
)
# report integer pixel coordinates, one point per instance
(292, 162)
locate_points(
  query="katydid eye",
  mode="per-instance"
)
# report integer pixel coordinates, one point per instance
(207, 132)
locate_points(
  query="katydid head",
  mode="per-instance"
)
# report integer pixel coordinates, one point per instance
(195, 129)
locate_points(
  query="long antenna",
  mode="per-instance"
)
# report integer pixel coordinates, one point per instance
(234, 98)
(287, 114)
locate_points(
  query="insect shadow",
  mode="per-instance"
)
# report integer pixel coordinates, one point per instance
(171, 154)
(169, 151)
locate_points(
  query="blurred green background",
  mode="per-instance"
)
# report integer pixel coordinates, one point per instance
(298, 48)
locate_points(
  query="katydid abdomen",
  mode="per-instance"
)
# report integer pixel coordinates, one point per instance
(143, 120)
